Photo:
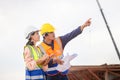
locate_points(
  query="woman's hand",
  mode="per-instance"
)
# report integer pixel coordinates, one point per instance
(48, 58)
(42, 60)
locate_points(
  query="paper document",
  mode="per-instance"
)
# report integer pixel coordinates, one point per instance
(66, 65)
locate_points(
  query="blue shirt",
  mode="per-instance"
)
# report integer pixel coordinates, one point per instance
(69, 36)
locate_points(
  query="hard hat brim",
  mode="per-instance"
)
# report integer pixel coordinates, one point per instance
(28, 37)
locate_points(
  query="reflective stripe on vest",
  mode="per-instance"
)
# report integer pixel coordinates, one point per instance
(58, 52)
(36, 74)
(64, 72)
(52, 71)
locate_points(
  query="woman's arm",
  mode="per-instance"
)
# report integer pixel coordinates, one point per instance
(29, 61)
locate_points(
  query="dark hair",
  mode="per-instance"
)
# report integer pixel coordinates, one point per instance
(46, 34)
(29, 41)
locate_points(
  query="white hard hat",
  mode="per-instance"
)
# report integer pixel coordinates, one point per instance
(29, 30)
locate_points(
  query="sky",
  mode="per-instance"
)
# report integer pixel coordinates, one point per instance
(94, 46)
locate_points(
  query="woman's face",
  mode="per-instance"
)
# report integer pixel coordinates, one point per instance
(36, 37)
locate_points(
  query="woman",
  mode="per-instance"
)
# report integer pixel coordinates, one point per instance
(33, 56)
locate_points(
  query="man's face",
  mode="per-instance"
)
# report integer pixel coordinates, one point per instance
(51, 35)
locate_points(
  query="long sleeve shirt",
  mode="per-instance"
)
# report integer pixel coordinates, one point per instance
(29, 61)
(65, 39)
(69, 36)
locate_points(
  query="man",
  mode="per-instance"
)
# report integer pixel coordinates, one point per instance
(52, 45)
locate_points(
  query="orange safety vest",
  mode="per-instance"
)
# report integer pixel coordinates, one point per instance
(57, 51)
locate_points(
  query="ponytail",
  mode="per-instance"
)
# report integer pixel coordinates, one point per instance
(30, 43)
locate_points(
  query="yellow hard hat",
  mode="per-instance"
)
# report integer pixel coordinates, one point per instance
(46, 28)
